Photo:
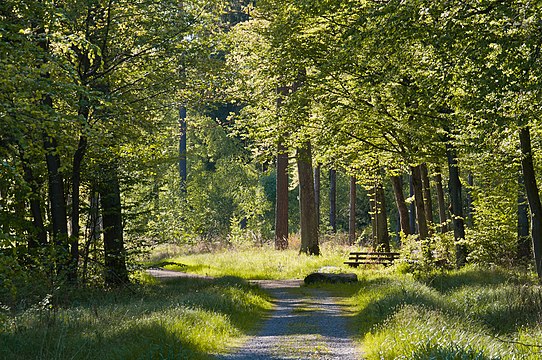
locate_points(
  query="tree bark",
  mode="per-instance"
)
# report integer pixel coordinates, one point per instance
(94, 227)
(524, 238)
(382, 235)
(470, 207)
(533, 197)
(333, 200)
(182, 149)
(115, 256)
(402, 209)
(441, 203)
(281, 204)
(317, 192)
(427, 201)
(57, 199)
(39, 237)
(352, 212)
(412, 209)
(418, 199)
(454, 189)
(307, 205)
(76, 185)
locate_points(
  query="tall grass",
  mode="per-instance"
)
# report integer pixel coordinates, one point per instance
(177, 319)
(259, 263)
(467, 314)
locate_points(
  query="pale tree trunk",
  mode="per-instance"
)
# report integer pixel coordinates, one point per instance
(183, 173)
(470, 206)
(281, 205)
(307, 205)
(402, 208)
(352, 212)
(333, 199)
(533, 197)
(418, 199)
(454, 188)
(412, 208)
(427, 201)
(317, 192)
(441, 203)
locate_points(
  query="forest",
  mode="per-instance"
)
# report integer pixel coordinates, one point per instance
(299, 127)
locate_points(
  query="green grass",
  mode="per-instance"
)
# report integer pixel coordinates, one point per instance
(467, 314)
(176, 319)
(260, 263)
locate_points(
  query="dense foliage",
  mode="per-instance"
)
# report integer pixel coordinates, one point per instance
(89, 133)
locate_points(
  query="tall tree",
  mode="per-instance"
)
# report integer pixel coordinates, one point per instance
(281, 207)
(307, 205)
(402, 209)
(333, 199)
(352, 211)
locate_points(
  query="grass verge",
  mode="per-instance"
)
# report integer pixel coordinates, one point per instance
(466, 314)
(174, 319)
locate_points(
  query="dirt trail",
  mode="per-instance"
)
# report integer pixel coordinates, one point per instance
(306, 323)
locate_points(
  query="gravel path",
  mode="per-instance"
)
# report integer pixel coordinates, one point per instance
(306, 323)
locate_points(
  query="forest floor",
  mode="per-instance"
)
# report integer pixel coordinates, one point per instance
(306, 323)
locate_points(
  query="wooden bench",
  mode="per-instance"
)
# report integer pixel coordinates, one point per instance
(357, 258)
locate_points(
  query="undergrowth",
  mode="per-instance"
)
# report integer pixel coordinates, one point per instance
(175, 319)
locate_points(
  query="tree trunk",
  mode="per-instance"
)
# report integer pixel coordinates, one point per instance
(402, 209)
(470, 207)
(382, 242)
(39, 237)
(533, 197)
(333, 200)
(352, 212)
(281, 204)
(309, 225)
(412, 209)
(76, 184)
(57, 199)
(441, 203)
(182, 149)
(524, 238)
(418, 199)
(94, 228)
(427, 201)
(454, 188)
(317, 192)
(115, 256)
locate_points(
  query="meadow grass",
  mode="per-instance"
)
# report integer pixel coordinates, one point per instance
(466, 314)
(262, 262)
(174, 319)
(472, 313)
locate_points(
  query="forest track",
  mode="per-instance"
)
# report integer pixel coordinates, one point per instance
(306, 323)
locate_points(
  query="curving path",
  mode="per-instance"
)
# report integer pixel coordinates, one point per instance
(306, 323)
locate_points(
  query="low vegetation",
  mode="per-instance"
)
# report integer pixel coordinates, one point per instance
(175, 319)
(473, 313)
(466, 314)
(256, 262)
